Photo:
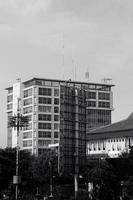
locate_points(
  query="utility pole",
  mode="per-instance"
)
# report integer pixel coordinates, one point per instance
(17, 121)
(51, 180)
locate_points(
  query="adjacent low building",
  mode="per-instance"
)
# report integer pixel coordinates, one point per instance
(111, 140)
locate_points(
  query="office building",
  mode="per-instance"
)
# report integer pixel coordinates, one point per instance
(59, 112)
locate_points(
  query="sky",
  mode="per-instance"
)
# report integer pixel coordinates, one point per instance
(63, 39)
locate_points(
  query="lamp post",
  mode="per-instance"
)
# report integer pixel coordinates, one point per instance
(54, 147)
(17, 121)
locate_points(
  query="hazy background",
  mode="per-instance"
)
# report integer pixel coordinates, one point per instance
(64, 38)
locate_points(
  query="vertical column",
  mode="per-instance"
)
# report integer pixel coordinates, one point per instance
(76, 144)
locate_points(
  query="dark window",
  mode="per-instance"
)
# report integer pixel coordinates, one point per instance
(28, 93)
(44, 125)
(44, 134)
(56, 109)
(91, 103)
(56, 101)
(56, 117)
(56, 92)
(44, 100)
(104, 96)
(45, 91)
(44, 117)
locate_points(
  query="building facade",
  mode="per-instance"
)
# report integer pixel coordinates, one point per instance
(58, 112)
(111, 140)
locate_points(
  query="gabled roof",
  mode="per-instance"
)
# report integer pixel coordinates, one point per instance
(124, 127)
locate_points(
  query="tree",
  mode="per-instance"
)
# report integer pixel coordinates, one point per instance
(104, 179)
(7, 168)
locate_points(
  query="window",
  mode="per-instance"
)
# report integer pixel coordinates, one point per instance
(10, 90)
(9, 98)
(43, 117)
(56, 101)
(44, 142)
(27, 135)
(56, 126)
(91, 95)
(104, 96)
(56, 92)
(29, 117)
(29, 127)
(56, 134)
(56, 117)
(9, 106)
(56, 109)
(44, 109)
(44, 100)
(55, 84)
(103, 104)
(27, 93)
(27, 110)
(27, 143)
(91, 103)
(45, 91)
(44, 125)
(9, 114)
(44, 134)
(27, 102)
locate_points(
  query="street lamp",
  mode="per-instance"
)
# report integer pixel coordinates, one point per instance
(52, 146)
(17, 121)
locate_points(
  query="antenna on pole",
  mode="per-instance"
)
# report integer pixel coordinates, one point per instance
(74, 70)
(63, 56)
(87, 75)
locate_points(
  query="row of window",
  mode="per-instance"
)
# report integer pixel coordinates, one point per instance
(27, 102)
(44, 142)
(45, 117)
(101, 95)
(41, 91)
(47, 134)
(48, 109)
(45, 91)
(47, 126)
(46, 100)
(104, 96)
(27, 135)
(28, 93)
(116, 140)
(46, 83)
(103, 104)
(27, 110)
(41, 134)
(27, 143)
(66, 108)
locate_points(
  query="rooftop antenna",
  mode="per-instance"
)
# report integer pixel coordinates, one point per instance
(63, 56)
(87, 75)
(74, 70)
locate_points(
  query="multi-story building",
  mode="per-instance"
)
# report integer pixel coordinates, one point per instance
(59, 112)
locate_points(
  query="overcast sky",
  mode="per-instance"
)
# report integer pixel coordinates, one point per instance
(64, 38)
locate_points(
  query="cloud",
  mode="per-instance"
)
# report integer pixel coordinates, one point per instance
(24, 7)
